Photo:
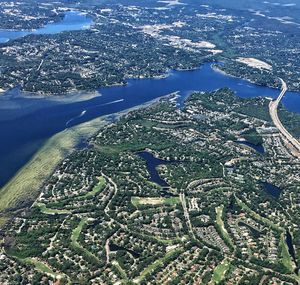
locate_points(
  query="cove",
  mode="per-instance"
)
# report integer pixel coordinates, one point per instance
(152, 163)
(26, 123)
(71, 21)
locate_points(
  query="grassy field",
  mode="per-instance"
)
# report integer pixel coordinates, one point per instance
(49, 211)
(74, 242)
(219, 272)
(220, 224)
(97, 189)
(154, 201)
(157, 263)
(121, 271)
(285, 256)
(266, 221)
(42, 267)
(52, 210)
(76, 232)
(25, 185)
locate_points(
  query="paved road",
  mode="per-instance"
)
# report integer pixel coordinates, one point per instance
(186, 213)
(273, 108)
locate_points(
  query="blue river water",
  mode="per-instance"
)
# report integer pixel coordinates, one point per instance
(26, 123)
(72, 20)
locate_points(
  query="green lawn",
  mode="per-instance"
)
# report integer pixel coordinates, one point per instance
(74, 241)
(76, 232)
(3, 219)
(121, 271)
(285, 256)
(220, 224)
(157, 263)
(220, 271)
(41, 266)
(44, 268)
(49, 211)
(97, 189)
(257, 216)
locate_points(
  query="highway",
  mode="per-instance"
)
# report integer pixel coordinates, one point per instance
(273, 109)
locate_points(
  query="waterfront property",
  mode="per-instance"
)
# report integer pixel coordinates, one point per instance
(42, 118)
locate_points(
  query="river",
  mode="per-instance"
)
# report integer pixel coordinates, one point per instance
(26, 123)
(71, 21)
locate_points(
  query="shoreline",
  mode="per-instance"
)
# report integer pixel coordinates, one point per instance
(216, 69)
(95, 93)
(74, 96)
(24, 187)
(27, 181)
(82, 95)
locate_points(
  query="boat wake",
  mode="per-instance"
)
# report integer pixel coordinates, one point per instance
(84, 111)
(109, 103)
(74, 118)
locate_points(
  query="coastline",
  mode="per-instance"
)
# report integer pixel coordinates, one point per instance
(216, 69)
(74, 96)
(25, 184)
(90, 94)
(77, 96)
(24, 187)
(82, 95)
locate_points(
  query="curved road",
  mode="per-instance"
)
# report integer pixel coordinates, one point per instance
(273, 108)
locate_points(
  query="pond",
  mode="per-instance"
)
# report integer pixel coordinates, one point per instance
(114, 247)
(257, 147)
(271, 189)
(152, 163)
